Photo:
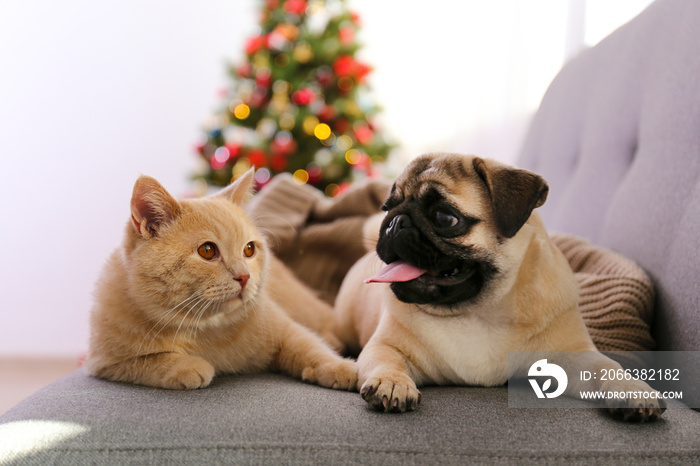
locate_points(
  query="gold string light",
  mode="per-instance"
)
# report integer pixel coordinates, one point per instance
(322, 131)
(331, 190)
(353, 156)
(242, 111)
(301, 177)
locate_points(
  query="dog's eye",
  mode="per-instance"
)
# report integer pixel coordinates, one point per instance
(443, 219)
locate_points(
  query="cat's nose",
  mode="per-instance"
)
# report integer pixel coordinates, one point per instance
(242, 280)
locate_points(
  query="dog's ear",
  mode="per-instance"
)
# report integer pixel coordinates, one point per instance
(514, 193)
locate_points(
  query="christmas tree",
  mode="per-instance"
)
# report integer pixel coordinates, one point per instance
(298, 103)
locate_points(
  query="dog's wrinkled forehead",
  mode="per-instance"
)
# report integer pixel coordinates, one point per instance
(445, 174)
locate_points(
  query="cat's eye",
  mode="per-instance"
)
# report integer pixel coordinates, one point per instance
(207, 250)
(249, 249)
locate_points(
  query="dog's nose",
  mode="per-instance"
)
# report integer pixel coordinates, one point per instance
(398, 223)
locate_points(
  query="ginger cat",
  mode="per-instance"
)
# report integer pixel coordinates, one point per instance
(186, 298)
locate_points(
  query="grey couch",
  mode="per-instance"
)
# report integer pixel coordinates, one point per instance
(618, 139)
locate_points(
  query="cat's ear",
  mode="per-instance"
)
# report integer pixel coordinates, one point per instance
(152, 207)
(240, 191)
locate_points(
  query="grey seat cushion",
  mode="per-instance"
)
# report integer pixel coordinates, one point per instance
(270, 419)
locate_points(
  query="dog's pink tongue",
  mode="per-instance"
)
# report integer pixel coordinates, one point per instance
(398, 271)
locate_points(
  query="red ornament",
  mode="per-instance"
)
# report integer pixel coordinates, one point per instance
(303, 96)
(217, 164)
(283, 148)
(244, 70)
(355, 18)
(257, 158)
(344, 65)
(254, 44)
(373, 172)
(295, 7)
(272, 4)
(279, 163)
(263, 77)
(327, 113)
(342, 125)
(324, 76)
(234, 150)
(364, 162)
(363, 134)
(347, 35)
(361, 72)
(315, 173)
(342, 188)
(258, 98)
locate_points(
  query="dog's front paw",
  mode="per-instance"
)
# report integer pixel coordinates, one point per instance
(188, 373)
(340, 374)
(391, 393)
(636, 402)
(638, 410)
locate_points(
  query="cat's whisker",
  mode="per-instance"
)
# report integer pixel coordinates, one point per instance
(174, 311)
(198, 317)
(276, 217)
(265, 317)
(270, 235)
(193, 328)
(198, 298)
(183, 303)
(153, 339)
(257, 309)
(206, 304)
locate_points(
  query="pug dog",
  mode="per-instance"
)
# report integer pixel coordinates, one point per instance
(465, 272)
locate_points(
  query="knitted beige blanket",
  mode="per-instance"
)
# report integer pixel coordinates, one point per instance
(616, 295)
(321, 238)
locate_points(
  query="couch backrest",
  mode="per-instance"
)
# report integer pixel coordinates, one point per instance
(617, 137)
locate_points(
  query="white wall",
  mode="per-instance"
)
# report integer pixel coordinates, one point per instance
(464, 76)
(94, 93)
(467, 75)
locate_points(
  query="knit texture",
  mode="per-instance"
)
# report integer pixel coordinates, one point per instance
(616, 295)
(321, 238)
(318, 238)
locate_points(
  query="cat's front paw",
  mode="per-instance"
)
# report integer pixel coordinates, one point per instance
(188, 373)
(339, 374)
